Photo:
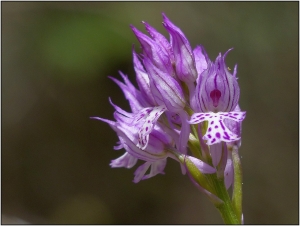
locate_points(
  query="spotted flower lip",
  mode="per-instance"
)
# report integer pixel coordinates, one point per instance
(217, 130)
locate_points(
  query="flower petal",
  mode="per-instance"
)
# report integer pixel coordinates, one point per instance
(216, 153)
(228, 173)
(126, 160)
(154, 52)
(131, 95)
(170, 90)
(184, 133)
(160, 40)
(217, 130)
(201, 59)
(142, 80)
(202, 166)
(217, 89)
(140, 172)
(148, 125)
(156, 168)
(184, 58)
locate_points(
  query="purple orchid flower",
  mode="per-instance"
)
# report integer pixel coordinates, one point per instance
(179, 87)
(215, 98)
(159, 125)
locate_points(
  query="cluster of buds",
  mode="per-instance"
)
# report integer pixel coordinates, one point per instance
(185, 107)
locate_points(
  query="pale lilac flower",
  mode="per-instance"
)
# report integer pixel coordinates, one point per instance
(158, 125)
(178, 87)
(215, 98)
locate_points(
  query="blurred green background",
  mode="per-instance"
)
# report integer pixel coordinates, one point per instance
(56, 57)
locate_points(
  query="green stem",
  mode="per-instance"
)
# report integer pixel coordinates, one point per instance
(237, 186)
(226, 209)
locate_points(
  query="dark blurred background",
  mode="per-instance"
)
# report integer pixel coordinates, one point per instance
(56, 57)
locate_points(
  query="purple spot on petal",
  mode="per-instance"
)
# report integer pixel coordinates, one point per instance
(235, 114)
(213, 140)
(212, 122)
(226, 136)
(209, 136)
(146, 128)
(218, 135)
(209, 129)
(216, 127)
(206, 114)
(215, 96)
(148, 121)
(201, 118)
(222, 125)
(210, 116)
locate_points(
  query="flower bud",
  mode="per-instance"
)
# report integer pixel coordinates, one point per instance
(184, 58)
(154, 52)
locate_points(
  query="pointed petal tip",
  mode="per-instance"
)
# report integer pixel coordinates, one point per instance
(95, 117)
(164, 16)
(225, 54)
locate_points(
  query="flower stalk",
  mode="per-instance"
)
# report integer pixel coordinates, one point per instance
(237, 186)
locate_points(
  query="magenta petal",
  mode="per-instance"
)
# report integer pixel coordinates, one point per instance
(200, 59)
(160, 40)
(130, 94)
(184, 58)
(169, 89)
(154, 52)
(143, 80)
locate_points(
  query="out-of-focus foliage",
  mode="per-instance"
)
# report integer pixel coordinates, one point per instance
(56, 57)
(81, 43)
